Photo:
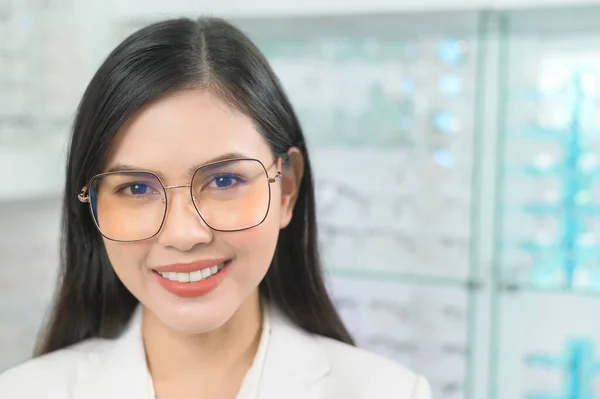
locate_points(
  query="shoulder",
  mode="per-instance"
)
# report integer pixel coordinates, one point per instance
(371, 374)
(51, 375)
(345, 371)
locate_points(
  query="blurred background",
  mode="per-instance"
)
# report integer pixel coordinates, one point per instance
(456, 147)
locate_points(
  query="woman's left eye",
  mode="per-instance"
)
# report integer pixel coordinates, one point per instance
(224, 182)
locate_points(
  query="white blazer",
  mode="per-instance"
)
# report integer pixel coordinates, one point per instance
(297, 365)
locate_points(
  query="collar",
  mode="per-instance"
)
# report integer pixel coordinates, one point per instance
(250, 385)
(294, 364)
(288, 363)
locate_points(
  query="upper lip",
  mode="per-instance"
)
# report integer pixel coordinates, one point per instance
(189, 267)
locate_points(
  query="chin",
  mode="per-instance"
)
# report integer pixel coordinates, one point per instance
(196, 318)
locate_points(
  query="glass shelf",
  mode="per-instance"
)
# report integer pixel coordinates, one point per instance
(544, 313)
(516, 288)
(402, 278)
(423, 326)
(542, 341)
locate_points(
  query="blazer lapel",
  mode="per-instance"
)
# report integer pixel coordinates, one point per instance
(295, 366)
(119, 373)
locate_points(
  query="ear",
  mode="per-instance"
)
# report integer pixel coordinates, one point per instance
(290, 185)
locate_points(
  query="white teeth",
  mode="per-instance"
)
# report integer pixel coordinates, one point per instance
(194, 276)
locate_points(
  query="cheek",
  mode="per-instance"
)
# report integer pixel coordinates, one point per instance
(126, 259)
(255, 247)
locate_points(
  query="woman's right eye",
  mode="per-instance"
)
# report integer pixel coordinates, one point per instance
(135, 189)
(138, 189)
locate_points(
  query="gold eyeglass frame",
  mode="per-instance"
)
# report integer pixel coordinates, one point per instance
(84, 195)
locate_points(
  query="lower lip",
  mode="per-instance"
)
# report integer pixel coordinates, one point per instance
(197, 289)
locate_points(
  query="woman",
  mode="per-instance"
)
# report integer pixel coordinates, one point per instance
(190, 266)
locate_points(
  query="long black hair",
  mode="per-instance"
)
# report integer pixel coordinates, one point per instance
(179, 54)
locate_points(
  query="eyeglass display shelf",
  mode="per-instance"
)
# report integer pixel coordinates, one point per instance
(406, 278)
(538, 4)
(508, 286)
(523, 287)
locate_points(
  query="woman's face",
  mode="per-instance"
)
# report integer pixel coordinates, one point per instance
(171, 137)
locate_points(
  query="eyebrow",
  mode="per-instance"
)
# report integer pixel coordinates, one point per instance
(130, 168)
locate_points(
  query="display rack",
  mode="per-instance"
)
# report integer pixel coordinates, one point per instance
(546, 254)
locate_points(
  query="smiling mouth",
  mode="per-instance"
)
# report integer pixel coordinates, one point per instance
(192, 277)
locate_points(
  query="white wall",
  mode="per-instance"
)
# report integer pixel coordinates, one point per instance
(29, 234)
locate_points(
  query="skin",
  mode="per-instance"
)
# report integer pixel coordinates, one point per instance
(199, 347)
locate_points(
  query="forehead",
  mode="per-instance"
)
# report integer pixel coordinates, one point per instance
(184, 129)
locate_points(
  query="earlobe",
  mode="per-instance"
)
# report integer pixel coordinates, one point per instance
(292, 174)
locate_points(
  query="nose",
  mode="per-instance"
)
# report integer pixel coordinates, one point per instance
(183, 228)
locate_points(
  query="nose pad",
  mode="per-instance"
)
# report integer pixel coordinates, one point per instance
(183, 227)
(167, 188)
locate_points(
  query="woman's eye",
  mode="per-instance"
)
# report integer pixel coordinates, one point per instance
(136, 189)
(221, 182)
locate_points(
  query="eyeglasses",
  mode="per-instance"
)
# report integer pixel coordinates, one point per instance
(229, 195)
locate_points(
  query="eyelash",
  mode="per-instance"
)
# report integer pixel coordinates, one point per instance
(238, 179)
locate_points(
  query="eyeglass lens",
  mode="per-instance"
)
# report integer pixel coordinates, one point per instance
(229, 195)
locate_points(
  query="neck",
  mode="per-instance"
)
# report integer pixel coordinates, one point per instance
(221, 355)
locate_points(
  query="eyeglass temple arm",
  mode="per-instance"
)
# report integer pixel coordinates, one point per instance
(278, 176)
(82, 196)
